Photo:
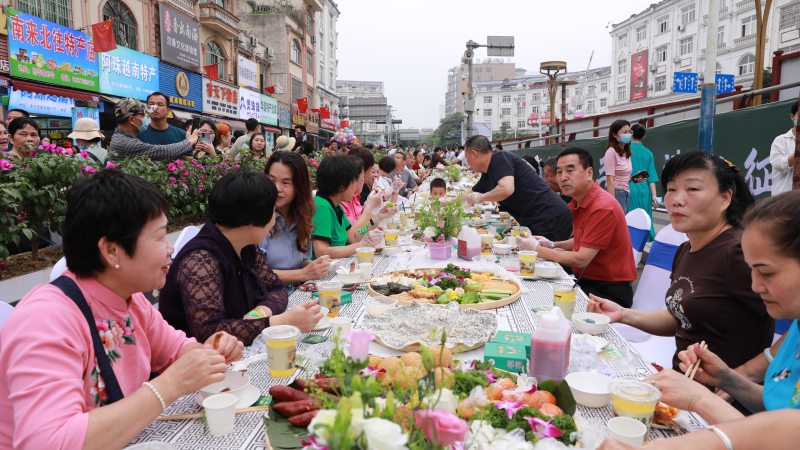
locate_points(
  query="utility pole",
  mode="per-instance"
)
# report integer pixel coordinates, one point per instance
(496, 46)
(553, 69)
(761, 39)
(708, 90)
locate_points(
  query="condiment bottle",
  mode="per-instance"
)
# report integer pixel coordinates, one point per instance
(469, 244)
(550, 345)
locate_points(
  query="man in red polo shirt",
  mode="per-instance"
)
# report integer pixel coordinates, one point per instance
(601, 244)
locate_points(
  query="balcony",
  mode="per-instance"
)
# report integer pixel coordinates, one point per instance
(723, 12)
(746, 41)
(186, 5)
(219, 20)
(746, 5)
(591, 95)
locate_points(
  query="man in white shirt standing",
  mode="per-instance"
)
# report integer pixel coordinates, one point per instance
(781, 156)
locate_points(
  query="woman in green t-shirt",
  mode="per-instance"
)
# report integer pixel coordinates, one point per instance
(338, 177)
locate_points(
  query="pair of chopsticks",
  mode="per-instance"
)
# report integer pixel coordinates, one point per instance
(692, 369)
(200, 414)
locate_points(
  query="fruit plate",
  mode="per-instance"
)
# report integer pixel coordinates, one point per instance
(407, 329)
(479, 306)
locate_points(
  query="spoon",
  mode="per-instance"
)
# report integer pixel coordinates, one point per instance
(241, 366)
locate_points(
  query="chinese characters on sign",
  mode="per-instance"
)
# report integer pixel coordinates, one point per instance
(180, 39)
(44, 104)
(248, 72)
(685, 82)
(249, 105)
(329, 123)
(45, 51)
(220, 99)
(127, 73)
(758, 185)
(639, 75)
(269, 110)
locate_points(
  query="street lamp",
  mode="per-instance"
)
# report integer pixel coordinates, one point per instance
(552, 69)
(564, 84)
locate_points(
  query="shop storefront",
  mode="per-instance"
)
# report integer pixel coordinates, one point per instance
(184, 90)
(269, 118)
(327, 127)
(5, 68)
(312, 130)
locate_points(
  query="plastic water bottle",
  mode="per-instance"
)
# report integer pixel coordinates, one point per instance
(469, 243)
(550, 346)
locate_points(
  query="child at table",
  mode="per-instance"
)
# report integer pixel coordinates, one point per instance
(438, 188)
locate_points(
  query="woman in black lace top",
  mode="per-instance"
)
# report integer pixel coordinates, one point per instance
(220, 276)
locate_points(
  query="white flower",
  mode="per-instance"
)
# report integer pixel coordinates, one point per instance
(429, 232)
(480, 435)
(384, 435)
(324, 417)
(448, 402)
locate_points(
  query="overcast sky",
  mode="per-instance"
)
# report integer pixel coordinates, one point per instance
(410, 44)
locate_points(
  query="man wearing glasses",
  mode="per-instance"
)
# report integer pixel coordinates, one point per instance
(156, 130)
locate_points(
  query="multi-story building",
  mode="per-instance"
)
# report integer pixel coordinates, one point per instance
(452, 97)
(488, 69)
(327, 64)
(364, 104)
(668, 37)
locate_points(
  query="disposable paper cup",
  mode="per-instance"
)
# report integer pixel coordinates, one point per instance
(511, 240)
(341, 326)
(635, 400)
(220, 413)
(627, 430)
(365, 254)
(366, 270)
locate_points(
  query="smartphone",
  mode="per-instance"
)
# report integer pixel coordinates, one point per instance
(205, 136)
(643, 175)
(195, 123)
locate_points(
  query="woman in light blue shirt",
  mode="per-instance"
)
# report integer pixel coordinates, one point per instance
(288, 246)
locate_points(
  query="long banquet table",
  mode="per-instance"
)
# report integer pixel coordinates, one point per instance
(518, 317)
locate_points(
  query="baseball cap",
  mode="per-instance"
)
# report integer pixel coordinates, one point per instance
(128, 107)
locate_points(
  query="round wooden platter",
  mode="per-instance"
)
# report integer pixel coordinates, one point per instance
(417, 347)
(479, 306)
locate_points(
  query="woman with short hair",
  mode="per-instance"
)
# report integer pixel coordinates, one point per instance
(223, 138)
(258, 146)
(116, 247)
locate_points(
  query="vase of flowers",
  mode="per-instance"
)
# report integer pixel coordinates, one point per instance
(439, 222)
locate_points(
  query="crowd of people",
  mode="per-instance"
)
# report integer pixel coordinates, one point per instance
(268, 232)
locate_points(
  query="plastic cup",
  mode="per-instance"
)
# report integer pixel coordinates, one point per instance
(627, 430)
(366, 270)
(404, 218)
(390, 236)
(564, 298)
(505, 215)
(341, 326)
(366, 255)
(515, 231)
(486, 244)
(330, 296)
(394, 224)
(636, 400)
(527, 262)
(281, 343)
(220, 413)
(511, 240)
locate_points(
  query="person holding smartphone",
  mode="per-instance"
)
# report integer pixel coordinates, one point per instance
(205, 144)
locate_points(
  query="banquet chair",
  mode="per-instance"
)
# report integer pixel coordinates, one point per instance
(187, 234)
(639, 229)
(655, 279)
(58, 269)
(5, 311)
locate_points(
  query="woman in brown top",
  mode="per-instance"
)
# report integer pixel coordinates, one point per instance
(709, 298)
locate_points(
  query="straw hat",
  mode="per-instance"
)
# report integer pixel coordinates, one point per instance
(86, 128)
(284, 143)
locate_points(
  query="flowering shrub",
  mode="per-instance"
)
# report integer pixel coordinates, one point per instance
(440, 220)
(33, 190)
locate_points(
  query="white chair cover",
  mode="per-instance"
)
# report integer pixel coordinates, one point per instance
(58, 269)
(639, 228)
(186, 235)
(5, 311)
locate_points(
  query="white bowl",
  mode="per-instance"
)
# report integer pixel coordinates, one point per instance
(379, 305)
(599, 325)
(234, 381)
(390, 251)
(502, 249)
(350, 277)
(590, 389)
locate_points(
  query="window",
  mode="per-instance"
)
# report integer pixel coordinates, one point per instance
(590, 106)
(333, 46)
(621, 91)
(491, 77)
(747, 65)
(309, 61)
(790, 15)
(309, 24)
(720, 35)
(321, 74)
(641, 33)
(591, 89)
(310, 97)
(661, 83)
(687, 14)
(488, 69)
(536, 97)
(58, 11)
(749, 25)
(577, 91)
(663, 24)
(603, 102)
(623, 41)
(479, 70)
(487, 99)
(331, 80)
(295, 52)
(520, 124)
(687, 46)
(719, 68)
(479, 78)
(661, 54)
(520, 111)
(506, 98)
(487, 113)
(505, 112)
(535, 110)
(214, 56)
(522, 97)
(297, 90)
(604, 86)
(125, 24)
(622, 67)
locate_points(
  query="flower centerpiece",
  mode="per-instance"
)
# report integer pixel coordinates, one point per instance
(439, 222)
(452, 173)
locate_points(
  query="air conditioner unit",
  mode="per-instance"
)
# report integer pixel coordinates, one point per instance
(649, 87)
(681, 28)
(253, 41)
(676, 60)
(313, 39)
(241, 38)
(652, 67)
(269, 51)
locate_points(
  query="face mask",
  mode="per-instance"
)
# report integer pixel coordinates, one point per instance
(145, 123)
(795, 121)
(625, 139)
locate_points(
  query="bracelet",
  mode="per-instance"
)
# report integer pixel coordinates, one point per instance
(768, 355)
(155, 391)
(257, 313)
(723, 436)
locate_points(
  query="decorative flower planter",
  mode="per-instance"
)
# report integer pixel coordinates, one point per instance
(440, 250)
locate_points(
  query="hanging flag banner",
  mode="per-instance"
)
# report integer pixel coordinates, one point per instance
(220, 99)
(128, 73)
(47, 52)
(269, 110)
(44, 104)
(248, 72)
(638, 75)
(249, 105)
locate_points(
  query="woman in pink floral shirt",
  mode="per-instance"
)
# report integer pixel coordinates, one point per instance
(52, 392)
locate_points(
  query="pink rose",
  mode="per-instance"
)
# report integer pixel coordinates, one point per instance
(441, 224)
(441, 427)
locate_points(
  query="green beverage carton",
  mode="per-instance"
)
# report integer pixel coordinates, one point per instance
(510, 337)
(508, 357)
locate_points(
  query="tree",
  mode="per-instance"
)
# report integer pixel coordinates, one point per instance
(767, 83)
(504, 133)
(448, 133)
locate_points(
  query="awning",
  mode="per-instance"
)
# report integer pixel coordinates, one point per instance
(181, 115)
(109, 98)
(235, 124)
(271, 129)
(52, 90)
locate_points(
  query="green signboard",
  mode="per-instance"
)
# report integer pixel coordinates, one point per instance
(743, 137)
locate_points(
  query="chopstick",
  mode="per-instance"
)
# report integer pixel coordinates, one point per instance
(390, 246)
(200, 414)
(692, 369)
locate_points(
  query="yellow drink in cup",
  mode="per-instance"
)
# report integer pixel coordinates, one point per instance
(330, 296)
(394, 224)
(390, 236)
(486, 244)
(281, 343)
(634, 399)
(365, 255)
(564, 298)
(515, 231)
(404, 218)
(527, 263)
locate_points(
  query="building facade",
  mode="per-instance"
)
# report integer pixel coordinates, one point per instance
(487, 69)
(364, 104)
(327, 64)
(668, 37)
